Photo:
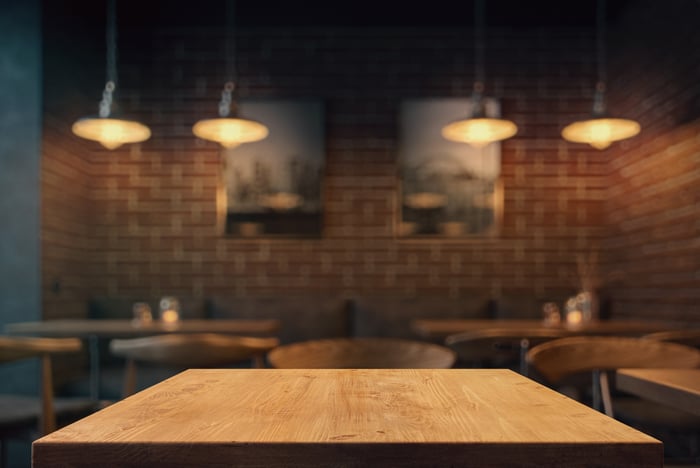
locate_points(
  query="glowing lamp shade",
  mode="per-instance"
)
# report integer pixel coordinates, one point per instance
(480, 128)
(230, 132)
(111, 133)
(600, 132)
(479, 132)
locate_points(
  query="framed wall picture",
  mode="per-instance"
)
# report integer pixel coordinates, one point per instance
(448, 189)
(273, 186)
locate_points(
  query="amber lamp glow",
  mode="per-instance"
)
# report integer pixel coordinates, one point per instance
(230, 132)
(109, 131)
(229, 129)
(600, 130)
(478, 129)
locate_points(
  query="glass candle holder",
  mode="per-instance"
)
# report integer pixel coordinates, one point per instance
(584, 303)
(141, 313)
(550, 314)
(169, 309)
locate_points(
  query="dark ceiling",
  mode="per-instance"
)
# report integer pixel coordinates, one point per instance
(145, 14)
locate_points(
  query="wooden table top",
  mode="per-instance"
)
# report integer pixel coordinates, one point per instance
(442, 328)
(347, 417)
(679, 388)
(128, 328)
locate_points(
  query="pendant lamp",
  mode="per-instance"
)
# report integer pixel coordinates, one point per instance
(479, 130)
(109, 130)
(600, 130)
(229, 129)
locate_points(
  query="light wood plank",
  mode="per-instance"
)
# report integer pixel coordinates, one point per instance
(353, 417)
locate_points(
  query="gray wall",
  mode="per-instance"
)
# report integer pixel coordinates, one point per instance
(20, 159)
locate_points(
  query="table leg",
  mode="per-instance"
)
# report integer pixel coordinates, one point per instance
(597, 398)
(94, 356)
(524, 347)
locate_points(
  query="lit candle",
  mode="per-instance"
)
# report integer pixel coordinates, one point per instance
(169, 311)
(574, 318)
(170, 316)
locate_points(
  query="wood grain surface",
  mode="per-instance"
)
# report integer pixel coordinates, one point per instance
(679, 388)
(353, 417)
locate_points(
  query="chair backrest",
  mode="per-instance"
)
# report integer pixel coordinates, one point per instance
(15, 348)
(362, 353)
(18, 348)
(563, 357)
(687, 336)
(189, 350)
(495, 347)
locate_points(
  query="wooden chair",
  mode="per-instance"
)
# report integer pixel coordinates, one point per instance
(361, 353)
(499, 347)
(27, 416)
(559, 359)
(189, 350)
(687, 336)
(564, 357)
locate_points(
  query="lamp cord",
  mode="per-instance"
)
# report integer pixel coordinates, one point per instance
(477, 94)
(599, 107)
(230, 41)
(600, 37)
(111, 39)
(479, 42)
(227, 103)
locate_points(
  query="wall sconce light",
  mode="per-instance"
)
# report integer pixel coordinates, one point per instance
(600, 130)
(479, 130)
(228, 129)
(109, 131)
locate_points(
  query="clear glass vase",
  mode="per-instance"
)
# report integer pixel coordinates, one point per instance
(587, 303)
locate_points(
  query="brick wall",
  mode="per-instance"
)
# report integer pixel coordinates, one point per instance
(152, 226)
(71, 89)
(65, 202)
(653, 202)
